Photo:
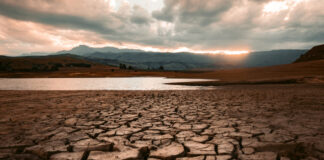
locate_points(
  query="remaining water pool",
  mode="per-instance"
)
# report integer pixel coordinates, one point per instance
(124, 83)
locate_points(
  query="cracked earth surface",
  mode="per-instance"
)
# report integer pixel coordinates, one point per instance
(242, 122)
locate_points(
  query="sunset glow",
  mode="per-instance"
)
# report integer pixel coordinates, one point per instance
(278, 6)
(275, 6)
(176, 50)
(228, 52)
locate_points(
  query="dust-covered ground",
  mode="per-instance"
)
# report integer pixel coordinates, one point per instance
(233, 122)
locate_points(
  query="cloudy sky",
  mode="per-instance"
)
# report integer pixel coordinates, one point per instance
(160, 25)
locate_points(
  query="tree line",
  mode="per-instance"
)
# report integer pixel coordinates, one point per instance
(129, 67)
(10, 67)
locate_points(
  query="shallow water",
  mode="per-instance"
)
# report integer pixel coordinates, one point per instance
(120, 83)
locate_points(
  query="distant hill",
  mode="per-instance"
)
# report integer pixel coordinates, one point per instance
(42, 63)
(182, 61)
(254, 66)
(83, 50)
(153, 60)
(316, 53)
(188, 61)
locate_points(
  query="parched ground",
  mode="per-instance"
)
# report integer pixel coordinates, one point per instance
(240, 122)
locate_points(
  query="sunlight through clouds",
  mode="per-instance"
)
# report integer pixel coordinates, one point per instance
(161, 25)
(277, 6)
(274, 7)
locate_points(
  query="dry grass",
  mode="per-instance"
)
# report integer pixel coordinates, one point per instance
(310, 72)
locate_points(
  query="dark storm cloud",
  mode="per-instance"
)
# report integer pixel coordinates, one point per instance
(196, 24)
(192, 11)
(55, 19)
(140, 16)
(164, 15)
(239, 23)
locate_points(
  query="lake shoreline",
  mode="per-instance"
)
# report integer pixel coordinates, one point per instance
(303, 72)
(302, 80)
(111, 83)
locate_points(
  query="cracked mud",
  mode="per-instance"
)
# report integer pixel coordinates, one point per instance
(241, 122)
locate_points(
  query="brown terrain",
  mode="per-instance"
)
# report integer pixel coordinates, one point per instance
(264, 122)
(316, 53)
(302, 72)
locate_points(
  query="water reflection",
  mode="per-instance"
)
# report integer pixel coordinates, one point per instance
(125, 83)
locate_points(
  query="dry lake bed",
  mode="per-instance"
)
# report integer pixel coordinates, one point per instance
(234, 122)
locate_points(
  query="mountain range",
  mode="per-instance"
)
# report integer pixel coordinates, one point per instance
(179, 61)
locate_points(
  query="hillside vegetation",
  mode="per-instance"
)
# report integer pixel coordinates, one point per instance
(316, 53)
